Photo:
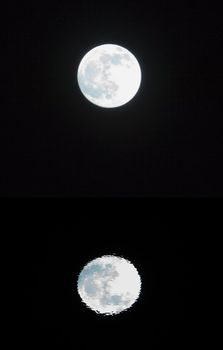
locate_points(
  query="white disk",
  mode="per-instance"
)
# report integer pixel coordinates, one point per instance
(109, 76)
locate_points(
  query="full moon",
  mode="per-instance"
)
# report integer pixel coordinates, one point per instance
(109, 76)
(109, 285)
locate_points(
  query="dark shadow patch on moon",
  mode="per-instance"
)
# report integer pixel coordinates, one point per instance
(89, 271)
(116, 59)
(90, 288)
(116, 299)
(111, 59)
(90, 89)
(91, 71)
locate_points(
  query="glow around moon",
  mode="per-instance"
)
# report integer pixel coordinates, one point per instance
(109, 76)
(109, 285)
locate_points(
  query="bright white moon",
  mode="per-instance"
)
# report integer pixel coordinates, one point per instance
(109, 76)
(109, 285)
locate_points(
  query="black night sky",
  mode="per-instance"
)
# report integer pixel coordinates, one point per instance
(166, 142)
